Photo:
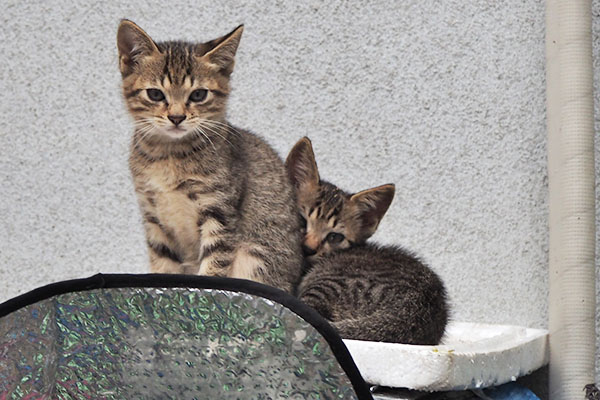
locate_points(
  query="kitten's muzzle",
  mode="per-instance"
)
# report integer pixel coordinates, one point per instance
(310, 244)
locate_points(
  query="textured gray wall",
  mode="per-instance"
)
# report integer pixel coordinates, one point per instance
(445, 99)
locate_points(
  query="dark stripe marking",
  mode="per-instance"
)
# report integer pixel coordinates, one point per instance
(133, 93)
(257, 254)
(164, 251)
(151, 219)
(147, 157)
(215, 214)
(219, 246)
(222, 263)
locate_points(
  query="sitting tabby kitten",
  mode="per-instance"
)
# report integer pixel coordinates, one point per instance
(216, 200)
(367, 291)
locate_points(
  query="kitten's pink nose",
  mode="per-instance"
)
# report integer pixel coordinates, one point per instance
(176, 119)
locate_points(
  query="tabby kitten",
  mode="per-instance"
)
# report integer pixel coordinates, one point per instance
(216, 200)
(367, 291)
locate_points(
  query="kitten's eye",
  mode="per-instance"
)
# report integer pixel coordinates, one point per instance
(198, 95)
(155, 94)
(334, 237)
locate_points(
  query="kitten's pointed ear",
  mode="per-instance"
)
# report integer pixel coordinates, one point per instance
(222, 50)
(133, 44)
(301, 166)
(370, 206)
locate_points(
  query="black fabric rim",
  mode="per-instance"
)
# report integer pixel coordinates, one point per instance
(102, 281)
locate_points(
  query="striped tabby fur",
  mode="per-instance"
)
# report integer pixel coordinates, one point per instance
(367, 291)
(216, 200)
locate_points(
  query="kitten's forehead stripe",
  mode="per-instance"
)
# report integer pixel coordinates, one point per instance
(331, 212)
(188, 69)
(319, 212)
(166, 71)
(178, 61)
(331, 199)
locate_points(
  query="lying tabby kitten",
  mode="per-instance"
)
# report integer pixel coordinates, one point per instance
(216, 200)
(367, 291)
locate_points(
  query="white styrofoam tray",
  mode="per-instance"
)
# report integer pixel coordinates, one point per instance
(471, 355)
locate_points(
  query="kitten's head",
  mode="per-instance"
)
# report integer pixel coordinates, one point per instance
(175, 90)
(333, 218)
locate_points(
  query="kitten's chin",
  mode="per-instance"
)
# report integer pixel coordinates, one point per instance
(174, 133)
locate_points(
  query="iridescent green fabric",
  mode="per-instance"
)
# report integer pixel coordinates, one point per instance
(148, 343)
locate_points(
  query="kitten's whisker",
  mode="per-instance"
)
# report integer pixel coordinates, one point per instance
(196, 135)
(227, 127)
(141, 134)
(144, 132)
(144, 121)
(221, 129)
(213, 121)
(200, 131)
(142, 124)
(216, 132)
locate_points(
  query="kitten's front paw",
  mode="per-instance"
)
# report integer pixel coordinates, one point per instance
(189, 269)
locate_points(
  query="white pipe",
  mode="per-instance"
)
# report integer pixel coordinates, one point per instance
(570, 119)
